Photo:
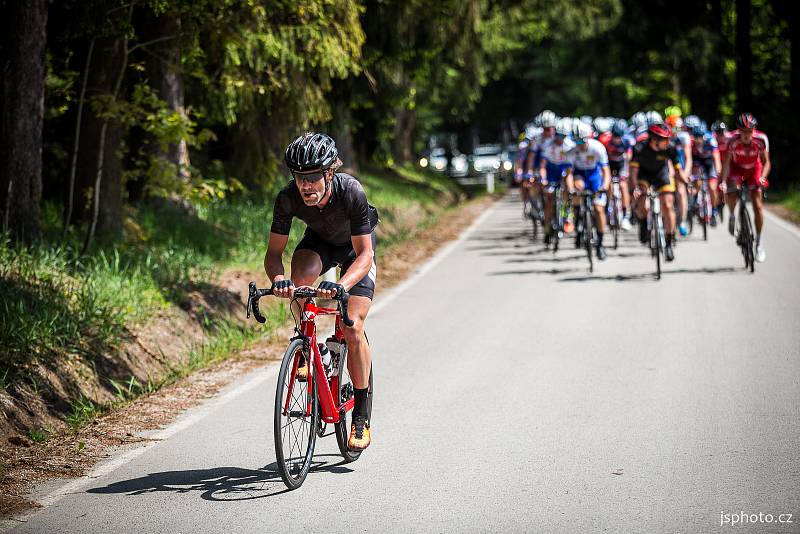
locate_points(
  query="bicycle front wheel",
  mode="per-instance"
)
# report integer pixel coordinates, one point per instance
(346, 417)
(748, 243)
(587, 235)
(295, 421)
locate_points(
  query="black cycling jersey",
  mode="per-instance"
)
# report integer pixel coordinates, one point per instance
(347, 212)
(652, 164)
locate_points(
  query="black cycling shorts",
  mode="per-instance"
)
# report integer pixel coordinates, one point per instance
(342, 256)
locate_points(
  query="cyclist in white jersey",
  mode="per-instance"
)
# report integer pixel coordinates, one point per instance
(588, 170)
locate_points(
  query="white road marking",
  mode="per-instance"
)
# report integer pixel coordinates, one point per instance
(196, 414)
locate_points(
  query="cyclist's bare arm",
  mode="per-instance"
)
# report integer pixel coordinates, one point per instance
(273, 260)
(717, 163)
(569, 180)
(686, 171)
(633, 171)
(766, 165)
(606, 177)
(726, 165)
(529, 162)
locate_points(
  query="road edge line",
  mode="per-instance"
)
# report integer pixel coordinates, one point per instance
(782, 223)
(188, 419)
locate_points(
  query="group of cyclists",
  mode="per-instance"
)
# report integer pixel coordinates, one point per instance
(671, 154)
(560, 156)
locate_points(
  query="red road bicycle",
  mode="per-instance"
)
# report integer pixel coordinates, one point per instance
(303, 408)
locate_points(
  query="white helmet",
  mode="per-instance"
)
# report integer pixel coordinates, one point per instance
(691, 121)
(564, 126)
(546, 119)
(582, 131)
(602, 124)
(653, 117)
(639, 119)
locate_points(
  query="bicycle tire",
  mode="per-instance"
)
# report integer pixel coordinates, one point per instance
(294, 469)
(748, 243)
(343, 426)
(657, 240)
(587, 236)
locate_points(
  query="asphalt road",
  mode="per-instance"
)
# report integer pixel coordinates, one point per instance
(514, 392)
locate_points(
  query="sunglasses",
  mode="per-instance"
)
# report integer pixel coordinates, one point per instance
(309, 177)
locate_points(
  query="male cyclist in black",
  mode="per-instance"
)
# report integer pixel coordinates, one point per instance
(654, 163)
(340, 231)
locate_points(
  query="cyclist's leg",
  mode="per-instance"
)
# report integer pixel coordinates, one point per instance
(311, 258)
(549, 209)
(640, 205)
(666, 192)
(359, 354)
(732, 198)
(713, 183)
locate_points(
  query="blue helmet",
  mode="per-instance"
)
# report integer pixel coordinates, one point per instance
(620, 128)
(698, 131)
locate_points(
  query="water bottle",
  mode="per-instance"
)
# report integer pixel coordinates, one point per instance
(326, 358)
(334, 349)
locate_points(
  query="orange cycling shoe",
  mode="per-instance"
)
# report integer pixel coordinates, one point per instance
(359, 434)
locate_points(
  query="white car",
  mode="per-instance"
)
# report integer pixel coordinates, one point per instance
(437, 161)
(487, 158)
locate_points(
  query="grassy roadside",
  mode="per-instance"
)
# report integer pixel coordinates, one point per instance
(786, 202)
(56, 308)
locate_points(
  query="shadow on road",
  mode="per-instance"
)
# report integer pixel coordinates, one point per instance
(219, 483)
(644, 277)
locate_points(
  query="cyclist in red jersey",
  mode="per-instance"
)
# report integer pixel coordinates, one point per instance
(720, 131)
(747, 160)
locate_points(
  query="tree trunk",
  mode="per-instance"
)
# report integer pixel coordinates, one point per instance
(343, 134)
(744, 57)
(794, 68)
(22, 116)
(403, 143)
(716, 72)
(166, 77)
(108, 54)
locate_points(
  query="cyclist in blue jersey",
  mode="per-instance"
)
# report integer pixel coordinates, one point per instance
(705, 156)
(619, 145)
(587, 169)
(552, 166)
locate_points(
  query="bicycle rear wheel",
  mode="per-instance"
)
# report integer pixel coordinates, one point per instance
(346, 418)
(295, 431)
(587, 236)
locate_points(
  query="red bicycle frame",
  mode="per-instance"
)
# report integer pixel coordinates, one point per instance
(329, 407)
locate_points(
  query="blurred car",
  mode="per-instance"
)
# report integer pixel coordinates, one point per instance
(507, 159)
(437, 161)
(486, 158)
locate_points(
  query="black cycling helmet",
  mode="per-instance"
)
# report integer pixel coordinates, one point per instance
(746, 120)
(719, 127)
(311, 152)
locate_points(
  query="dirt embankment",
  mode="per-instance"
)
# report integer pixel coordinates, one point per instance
(153, 351)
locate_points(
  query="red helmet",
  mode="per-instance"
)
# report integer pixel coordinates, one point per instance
(659, 129)
(746, 120)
